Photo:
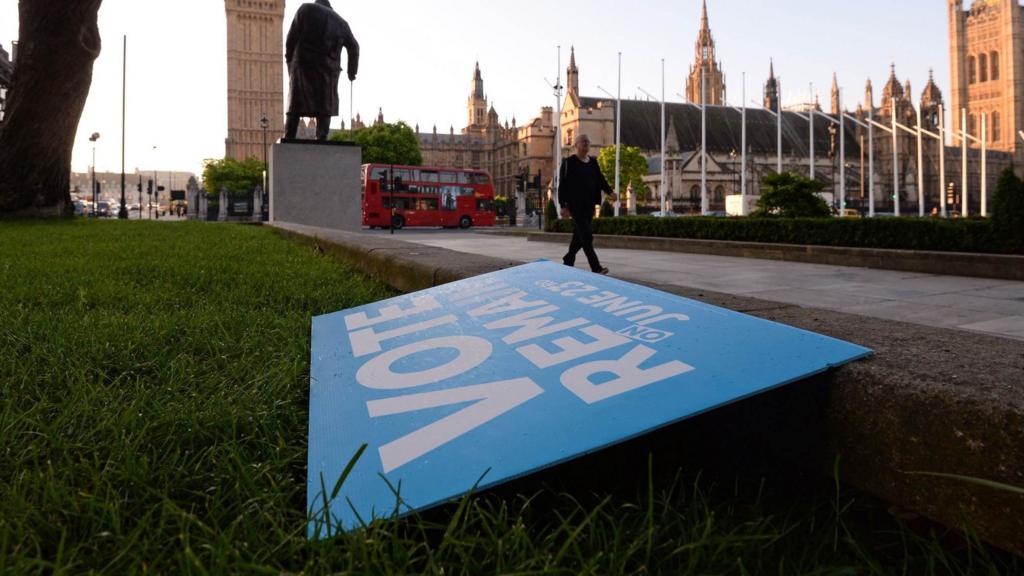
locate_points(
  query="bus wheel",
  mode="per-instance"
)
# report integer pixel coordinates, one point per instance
(465, 222)
(397, 222)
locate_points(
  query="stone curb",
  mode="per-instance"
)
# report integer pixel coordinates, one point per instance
(931, 400)
(998, 266)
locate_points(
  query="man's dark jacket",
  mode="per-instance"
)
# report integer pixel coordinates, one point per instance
(313, 53)
(580, 185)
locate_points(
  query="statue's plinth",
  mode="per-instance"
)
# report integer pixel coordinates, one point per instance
(316, 184)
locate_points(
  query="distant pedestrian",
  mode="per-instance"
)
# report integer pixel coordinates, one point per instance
(579, 192)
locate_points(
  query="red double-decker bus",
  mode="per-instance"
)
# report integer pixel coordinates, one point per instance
(423, 196)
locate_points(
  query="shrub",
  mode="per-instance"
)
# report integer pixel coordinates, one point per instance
(1008, 211)
(550, 212)
(790, 195)
(888, 233)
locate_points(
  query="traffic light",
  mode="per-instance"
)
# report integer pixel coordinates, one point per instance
(138, 187)
(149, 187)
(160, 188)
(520, 179)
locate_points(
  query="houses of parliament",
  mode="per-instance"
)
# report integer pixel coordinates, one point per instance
(986, 51)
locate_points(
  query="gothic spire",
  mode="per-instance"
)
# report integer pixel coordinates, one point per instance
(771, 89)
(931, 95)
(836, 105)
(704, 39)
(478, 83)
(572, 74)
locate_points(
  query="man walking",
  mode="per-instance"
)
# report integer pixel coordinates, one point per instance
(579, 191)
(313, 52)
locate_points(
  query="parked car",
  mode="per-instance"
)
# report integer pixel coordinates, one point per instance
(102, 210)
(665, 215)
(850, 213)
(80, 208)
(718, 214)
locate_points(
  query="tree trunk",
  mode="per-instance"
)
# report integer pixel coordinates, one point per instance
(59, 41)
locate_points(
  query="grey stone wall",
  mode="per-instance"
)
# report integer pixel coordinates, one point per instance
(316, 184)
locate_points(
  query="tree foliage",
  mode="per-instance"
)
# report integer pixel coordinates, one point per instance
(237, 177)
(385, 144)
(632, 169)
(790, 195)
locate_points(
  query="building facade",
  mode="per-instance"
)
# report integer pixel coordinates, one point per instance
(845, 150)
(255, 74)
(504, 149)
(987, 67)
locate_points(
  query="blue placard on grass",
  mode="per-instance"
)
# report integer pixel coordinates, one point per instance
(508, 373)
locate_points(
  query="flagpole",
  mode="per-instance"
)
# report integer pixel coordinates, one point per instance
(703, 145)
(810, 139)
(842, 155)
(942, 161)
(663, 209)
(964, 211)
(895, 162)
(618, 137)
(920, 165)
(743, 153)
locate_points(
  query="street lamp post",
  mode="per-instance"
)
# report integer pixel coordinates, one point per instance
(156, 190)
(95, 201)
(264, 124)
(122, 213)
(735, 173)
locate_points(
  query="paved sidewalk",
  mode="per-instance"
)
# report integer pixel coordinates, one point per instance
(994, 307)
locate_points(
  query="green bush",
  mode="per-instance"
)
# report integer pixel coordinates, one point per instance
(550, 212)
(1008, 211)
(790, 195)
(888, 233)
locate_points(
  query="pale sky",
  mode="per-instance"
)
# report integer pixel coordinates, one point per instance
(418, 56)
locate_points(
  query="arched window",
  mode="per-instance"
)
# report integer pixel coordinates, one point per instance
(994, 64)
(996, 133)
(983, 67)
(719, 196)
(972, 70)
(695, 192)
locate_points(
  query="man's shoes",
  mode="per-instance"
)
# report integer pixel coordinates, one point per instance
(602, 271)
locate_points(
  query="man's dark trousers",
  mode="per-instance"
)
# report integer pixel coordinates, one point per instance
(583, 238)
(323, 127)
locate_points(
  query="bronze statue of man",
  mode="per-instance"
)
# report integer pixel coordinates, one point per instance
(313, 53)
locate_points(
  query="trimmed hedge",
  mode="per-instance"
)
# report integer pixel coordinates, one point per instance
(888, 233)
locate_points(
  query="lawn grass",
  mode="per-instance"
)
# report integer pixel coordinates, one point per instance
(153, 419)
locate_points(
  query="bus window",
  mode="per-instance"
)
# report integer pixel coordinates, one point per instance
(426, 204)
(448, 178)
(483, 205)
(463, 177)
(466, 191)
(378, 172)
(429, 176)
(480, 178)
